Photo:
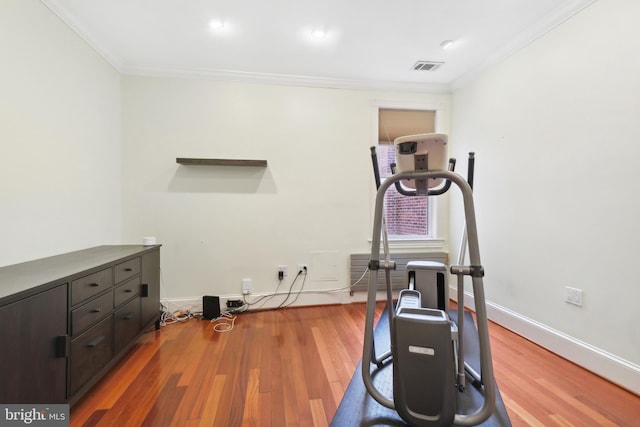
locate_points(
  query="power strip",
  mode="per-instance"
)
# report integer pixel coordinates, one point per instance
(234, 303)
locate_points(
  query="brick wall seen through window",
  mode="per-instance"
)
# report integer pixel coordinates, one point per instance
(404, 216)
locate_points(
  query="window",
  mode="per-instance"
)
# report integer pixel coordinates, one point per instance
(407, 218)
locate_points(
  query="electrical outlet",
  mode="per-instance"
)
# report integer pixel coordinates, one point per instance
(304, 268)
(246, 286)
(573, 296)
(282, 271)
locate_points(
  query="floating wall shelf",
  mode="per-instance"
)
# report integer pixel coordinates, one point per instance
(220, 162)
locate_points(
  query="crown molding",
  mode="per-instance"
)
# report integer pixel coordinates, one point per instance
(236, 76)
(544, 25)
(287, 80)
(84, 33)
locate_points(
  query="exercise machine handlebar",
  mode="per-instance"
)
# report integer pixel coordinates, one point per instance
(470, 168)
(376, 169)
(435, 192)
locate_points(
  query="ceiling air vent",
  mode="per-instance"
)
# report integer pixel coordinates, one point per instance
(427, 65)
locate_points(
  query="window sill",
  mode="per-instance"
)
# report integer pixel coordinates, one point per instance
(416, 243)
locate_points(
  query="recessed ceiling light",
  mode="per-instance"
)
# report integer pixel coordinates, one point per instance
(216, 24)
(447, 44)
(319, 33)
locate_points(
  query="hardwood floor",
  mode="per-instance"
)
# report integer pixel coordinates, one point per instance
(290, 367)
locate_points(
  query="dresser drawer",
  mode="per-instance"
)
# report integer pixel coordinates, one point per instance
(127, 269)
(88, 286)
(126, 291)
(90, 313)
(90, 352)
(126, 323)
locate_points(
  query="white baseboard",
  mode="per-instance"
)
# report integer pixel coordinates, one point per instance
(615, 369)
(306, 298)
(262, 301)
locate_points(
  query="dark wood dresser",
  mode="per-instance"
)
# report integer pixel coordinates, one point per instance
(65, 320)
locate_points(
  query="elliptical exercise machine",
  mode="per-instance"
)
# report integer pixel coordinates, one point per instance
(427, 351)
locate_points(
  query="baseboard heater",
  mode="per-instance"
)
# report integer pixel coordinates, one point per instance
(360, 262)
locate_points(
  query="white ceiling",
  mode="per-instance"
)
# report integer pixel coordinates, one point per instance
(369, 43)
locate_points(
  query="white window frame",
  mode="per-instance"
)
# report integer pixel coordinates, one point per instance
(436, 224)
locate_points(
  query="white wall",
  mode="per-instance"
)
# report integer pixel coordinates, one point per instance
(59, 138)
(311, 205)
(557, 132)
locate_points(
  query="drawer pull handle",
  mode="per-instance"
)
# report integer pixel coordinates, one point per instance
(94, 284)
(128, 269)
(94, 342)
(128, 290)
(128, 316)
(144, 290)
(96, 310)
(62, 346)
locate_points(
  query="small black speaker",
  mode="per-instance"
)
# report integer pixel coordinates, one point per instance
(210, 307)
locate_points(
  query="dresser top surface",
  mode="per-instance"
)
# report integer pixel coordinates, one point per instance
(18, 278)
